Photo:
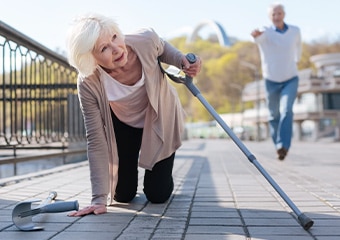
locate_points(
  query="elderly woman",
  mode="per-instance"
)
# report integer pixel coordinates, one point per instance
(133, 116)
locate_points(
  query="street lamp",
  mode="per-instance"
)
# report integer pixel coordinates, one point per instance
(257, 80)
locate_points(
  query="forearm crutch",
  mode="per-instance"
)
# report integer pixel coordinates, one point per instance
(305, 221)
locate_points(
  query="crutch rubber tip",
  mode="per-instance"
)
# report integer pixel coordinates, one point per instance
(305, 221)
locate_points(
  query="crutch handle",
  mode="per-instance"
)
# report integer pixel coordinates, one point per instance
(191, 58)
(60, 207)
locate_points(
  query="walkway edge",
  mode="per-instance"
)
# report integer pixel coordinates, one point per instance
(41, 173)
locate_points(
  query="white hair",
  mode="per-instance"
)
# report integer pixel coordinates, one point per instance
(82, 37)
(275, 5)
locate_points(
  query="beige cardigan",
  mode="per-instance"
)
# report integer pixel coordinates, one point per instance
(164, 117)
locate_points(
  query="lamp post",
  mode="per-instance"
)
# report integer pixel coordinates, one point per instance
(257, 81)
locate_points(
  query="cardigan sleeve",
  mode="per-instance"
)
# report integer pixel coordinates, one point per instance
(171, 55)
(167, 53)
(97, 148)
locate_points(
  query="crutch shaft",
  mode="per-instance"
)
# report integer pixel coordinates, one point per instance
(305, 221)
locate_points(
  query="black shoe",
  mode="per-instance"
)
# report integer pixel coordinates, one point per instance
(282, 152)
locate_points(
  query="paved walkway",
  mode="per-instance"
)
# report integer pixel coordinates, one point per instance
(218, 194)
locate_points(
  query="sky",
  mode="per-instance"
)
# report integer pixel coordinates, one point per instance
(47, 21)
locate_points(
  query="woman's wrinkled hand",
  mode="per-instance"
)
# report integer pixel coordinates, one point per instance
(93, 209)
(191, 69)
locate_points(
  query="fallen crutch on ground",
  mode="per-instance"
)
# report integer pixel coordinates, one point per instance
(22, 213)
(305, 221)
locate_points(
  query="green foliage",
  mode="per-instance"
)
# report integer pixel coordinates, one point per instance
(221, 72)
(223, 77)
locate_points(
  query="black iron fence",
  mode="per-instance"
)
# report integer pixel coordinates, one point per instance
(38, 94)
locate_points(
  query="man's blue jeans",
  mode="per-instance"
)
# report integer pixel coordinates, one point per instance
(280, 100)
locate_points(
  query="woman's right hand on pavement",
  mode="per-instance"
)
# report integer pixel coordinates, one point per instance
(92, 209)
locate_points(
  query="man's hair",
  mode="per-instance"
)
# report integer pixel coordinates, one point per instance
(275, 5)
(82, 37)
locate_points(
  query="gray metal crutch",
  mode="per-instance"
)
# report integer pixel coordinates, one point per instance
(22, 213)
(305, 221)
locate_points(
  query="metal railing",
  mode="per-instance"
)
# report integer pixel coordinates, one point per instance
(38, 94)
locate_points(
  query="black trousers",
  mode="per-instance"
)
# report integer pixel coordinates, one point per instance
(158, 183)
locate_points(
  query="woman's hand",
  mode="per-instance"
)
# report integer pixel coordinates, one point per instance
(191, 69)
(93, 209)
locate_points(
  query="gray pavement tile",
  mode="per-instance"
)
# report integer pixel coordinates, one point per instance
(161, 236)
(255, 213)
(282, 237)
(324, 216)
(18, 235)
(176, 214)
(204, 229)
(319, 222)
(96, 227)
(277, 230)
(135, 229)
(84, 235)
(104, 218)
(4, 213)
(134, 236)
(172, 223)
(219, 214)
(326, 231)
(260, 205)
(213, 208)
(216, 221)
(5, 224)
(214, 237)
(176, 204)
(214, 199)
(54, 218)
(328, 237)
(145, 221)
(317, 208)
(198, 203)
(47, 226)
(169, 231)
(270, 222)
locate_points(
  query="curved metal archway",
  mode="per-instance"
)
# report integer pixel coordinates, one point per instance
(221, 34)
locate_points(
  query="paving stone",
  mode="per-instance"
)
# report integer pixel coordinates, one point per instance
(218, 194)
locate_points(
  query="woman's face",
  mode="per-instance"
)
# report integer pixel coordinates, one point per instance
(110, 51)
